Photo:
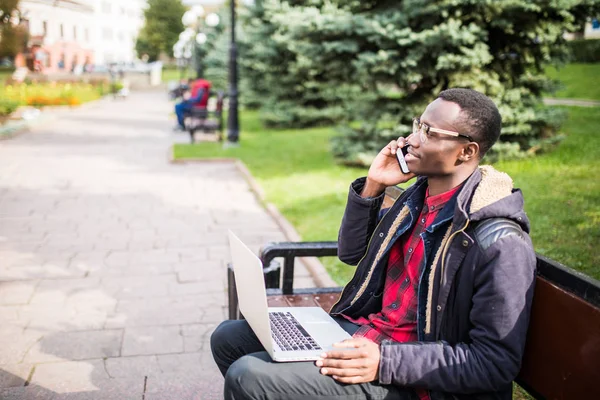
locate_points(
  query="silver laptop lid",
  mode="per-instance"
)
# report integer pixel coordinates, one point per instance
(251, 291)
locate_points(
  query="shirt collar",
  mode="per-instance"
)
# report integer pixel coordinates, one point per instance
(438, 202)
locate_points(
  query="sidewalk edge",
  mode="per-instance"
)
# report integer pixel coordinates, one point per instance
(314, 267)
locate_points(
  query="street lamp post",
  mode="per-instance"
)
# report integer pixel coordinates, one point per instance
(193, 21)
(200, 40)
(233, 128)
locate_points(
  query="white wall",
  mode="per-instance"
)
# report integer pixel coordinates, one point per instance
(116, 27)
(591, 32)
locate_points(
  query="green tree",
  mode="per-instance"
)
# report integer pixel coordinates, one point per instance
(161, 29)
(11, 37)
(275, 75)
(390, 58)
(7, 9)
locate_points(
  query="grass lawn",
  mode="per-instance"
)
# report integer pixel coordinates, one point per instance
(174, 75)
(298, 175)
(3, 76)
(579, 80)
(562, 194)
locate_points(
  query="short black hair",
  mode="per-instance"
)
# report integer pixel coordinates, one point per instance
(479, 117)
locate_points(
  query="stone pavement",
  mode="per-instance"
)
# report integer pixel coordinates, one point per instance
(113, 260)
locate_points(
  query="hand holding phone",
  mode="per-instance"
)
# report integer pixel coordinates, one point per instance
(401, 161)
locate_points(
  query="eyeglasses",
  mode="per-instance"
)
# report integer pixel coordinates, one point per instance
(423, 130)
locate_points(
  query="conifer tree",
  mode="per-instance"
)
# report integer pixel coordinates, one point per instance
(380, 62)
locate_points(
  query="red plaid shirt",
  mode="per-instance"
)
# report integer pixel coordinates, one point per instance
(397, 320)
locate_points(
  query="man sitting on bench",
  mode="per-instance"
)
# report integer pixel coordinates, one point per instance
(199, 93)
(440, 302)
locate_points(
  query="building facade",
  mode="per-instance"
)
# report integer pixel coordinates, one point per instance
(76, 35)
(60, 35)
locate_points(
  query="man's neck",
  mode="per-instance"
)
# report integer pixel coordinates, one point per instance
(441, 184)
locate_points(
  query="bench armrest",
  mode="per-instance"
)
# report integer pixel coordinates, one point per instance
(289, 251)
(272, 269)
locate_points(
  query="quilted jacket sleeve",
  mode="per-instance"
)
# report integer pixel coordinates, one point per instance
(358, 223)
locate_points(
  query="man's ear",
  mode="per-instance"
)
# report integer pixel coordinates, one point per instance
(469, 152)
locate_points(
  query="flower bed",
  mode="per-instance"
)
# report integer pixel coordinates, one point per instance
(53, 93)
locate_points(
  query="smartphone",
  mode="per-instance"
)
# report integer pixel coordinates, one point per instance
(401, 161)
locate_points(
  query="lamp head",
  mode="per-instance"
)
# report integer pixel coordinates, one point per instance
(189, 18)
(201, 38)
(198, 11)
(212, 19)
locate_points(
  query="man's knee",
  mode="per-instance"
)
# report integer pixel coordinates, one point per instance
(220, 336)
(249, 376)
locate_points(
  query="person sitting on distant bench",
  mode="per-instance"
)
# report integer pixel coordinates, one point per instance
(198, 98)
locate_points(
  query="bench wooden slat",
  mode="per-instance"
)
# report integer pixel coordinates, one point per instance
(298, 300)
(562, 353)
(325, 300)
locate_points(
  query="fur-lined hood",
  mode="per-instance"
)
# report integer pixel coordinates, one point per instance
(489, 193)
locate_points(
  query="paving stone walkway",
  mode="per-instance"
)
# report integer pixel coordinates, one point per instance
(113, 260)
(571, 102)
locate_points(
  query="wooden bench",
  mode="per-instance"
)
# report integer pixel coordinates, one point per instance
(205, 120)
(562, 353)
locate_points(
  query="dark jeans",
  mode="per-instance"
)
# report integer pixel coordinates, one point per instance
(181, 109)
(251, 374)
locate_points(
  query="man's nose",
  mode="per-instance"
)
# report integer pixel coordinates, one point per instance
(413, 140)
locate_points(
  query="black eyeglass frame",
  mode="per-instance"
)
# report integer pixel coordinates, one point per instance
(418, 124)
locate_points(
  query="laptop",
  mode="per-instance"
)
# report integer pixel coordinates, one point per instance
(287, 333)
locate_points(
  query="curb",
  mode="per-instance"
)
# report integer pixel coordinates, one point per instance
(314, 267)
(13, 130)
(22, 126)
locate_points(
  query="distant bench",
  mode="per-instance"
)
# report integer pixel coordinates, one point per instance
(205, 120)
(562, 353)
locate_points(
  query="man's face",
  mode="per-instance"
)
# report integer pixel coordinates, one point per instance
(438, 156)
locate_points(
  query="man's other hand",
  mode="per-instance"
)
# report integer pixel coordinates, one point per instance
(357, 361)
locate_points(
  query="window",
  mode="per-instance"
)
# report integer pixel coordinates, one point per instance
(62, 31)
(106, 8)
(74, 32)
(45, 27)
(87, 34)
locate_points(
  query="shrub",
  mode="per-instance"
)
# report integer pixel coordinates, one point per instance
(7, 107)
(116, 86)
(585, 50)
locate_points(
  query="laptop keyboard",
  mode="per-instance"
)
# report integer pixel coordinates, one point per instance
(289, 334)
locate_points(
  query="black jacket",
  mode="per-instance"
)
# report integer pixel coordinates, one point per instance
(475, 290)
